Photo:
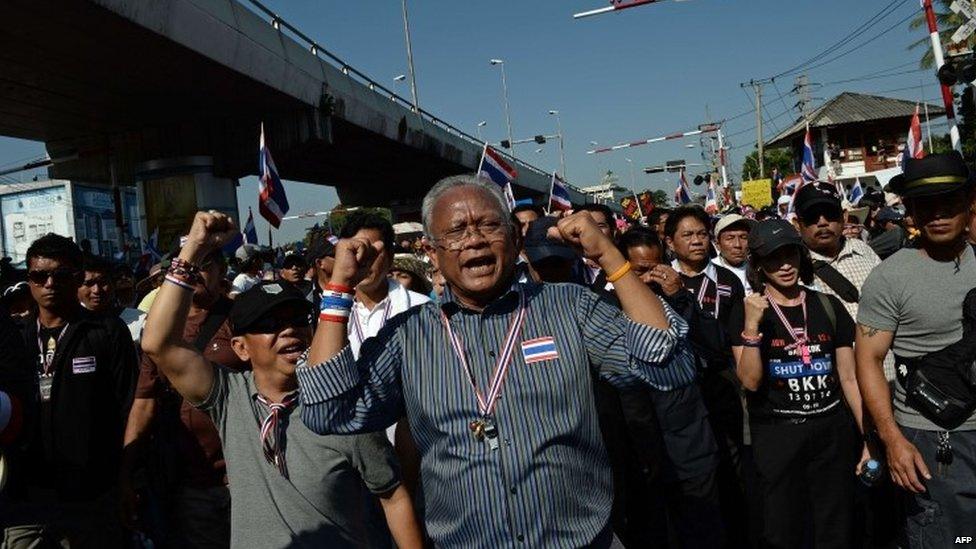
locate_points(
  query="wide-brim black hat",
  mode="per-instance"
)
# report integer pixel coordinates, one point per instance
(934, 174)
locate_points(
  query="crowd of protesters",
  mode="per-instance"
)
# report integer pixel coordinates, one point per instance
(803, 375)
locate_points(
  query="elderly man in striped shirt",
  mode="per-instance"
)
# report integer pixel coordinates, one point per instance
(496, 378)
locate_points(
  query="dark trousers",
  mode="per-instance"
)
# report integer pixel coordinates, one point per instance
(947, 508)
(720, 392)
(681, 514)
(806, 475)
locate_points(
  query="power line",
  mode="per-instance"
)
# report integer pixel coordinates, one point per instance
(873, 20)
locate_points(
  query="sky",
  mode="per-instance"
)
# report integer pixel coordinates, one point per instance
(634, 74)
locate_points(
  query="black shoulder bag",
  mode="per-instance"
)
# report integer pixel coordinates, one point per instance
(835, 281)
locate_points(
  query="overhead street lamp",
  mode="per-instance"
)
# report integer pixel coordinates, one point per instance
(399, 78)
(508, 118)
(562, 152)
(481, 124)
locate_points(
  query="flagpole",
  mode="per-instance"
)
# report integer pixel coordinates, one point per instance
(552, 184)
(484, 151)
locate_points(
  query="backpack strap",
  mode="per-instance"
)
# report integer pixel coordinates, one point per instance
(829, 309)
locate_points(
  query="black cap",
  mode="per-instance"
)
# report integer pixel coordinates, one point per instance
(889, 214)
(772, 234)
(319, 248)
(539, 246)
(815, 194)
(293, 259)
(934, 174)
(251, 305)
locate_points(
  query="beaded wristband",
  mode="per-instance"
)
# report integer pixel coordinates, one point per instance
(751, 341)
(174, 280)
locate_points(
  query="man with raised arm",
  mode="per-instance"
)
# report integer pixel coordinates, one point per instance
(495, 378)
(288, 486)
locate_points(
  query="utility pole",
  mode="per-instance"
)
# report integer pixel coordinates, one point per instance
(802, 89)
(757, 89)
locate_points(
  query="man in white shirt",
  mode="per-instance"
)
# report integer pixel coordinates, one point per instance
(378, 298)
(732, 241)
(251, 263)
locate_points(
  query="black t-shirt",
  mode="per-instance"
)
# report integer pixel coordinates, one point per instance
(720, 295)
(789, 388)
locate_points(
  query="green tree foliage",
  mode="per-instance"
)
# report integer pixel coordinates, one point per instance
(781, 159)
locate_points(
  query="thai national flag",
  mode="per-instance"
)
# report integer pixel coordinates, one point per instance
(250, 233)
(711, 200)
(151, 248)
(539, 349)
(807, 171)
(272, 202)
(913, 143)
(559, 195)
(682, 194)
(494, 168)
(857, 192)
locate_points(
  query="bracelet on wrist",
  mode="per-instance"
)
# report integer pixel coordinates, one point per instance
(619, 273)
(177, 282)
(341, 288)
(751, 341)
(332, 315)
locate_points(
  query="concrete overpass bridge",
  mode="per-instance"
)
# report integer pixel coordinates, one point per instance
(118, 88)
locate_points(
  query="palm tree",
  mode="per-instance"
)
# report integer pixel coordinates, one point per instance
(948, 22)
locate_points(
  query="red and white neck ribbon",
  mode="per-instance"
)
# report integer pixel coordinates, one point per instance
(273, 430)
(486, 403)
(799, 334)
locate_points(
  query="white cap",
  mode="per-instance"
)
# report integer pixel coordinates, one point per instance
(730, 219)
(784, 199)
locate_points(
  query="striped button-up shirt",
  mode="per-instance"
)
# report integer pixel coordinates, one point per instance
(548, 484)
(855, 261)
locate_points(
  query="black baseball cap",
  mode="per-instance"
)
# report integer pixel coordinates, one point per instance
(251, 305)
(319, 248)
(932, 175)
(538, 246)
(293, 259)
(815, 194)
(772, 234)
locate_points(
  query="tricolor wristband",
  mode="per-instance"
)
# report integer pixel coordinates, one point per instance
(339, 288)
(335, 305)
(174, 280)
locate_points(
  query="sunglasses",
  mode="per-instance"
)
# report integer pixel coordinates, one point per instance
(88, 283)
(58, 276)
(813, 215)
(275, 324)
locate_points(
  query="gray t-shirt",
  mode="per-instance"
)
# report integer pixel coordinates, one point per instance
(326, 500)
(920, 300)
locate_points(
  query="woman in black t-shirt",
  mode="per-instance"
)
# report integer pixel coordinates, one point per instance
(794, 356)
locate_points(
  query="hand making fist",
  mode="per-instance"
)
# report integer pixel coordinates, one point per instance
(580, 231)
(353, 259)
(755, 307)
(210, 231)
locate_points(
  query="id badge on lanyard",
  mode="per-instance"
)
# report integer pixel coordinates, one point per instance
(45, 382)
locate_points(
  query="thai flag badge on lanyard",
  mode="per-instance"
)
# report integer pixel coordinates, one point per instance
(539, 349)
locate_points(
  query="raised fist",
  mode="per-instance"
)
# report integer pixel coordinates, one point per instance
(580, 231)
(353, 259)
(210, 231)
(755, 307)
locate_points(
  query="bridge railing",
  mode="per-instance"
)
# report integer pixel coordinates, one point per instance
(317, 50)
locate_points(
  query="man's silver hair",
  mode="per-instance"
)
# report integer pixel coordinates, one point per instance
(466, 180)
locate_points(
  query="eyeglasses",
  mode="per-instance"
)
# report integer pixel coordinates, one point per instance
(58, 276)
(275, 324)
(490, 230)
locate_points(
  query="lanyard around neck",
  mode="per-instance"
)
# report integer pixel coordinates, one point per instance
(46, 368)
(486, 403)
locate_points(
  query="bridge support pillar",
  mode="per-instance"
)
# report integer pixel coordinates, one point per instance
(172, 190)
